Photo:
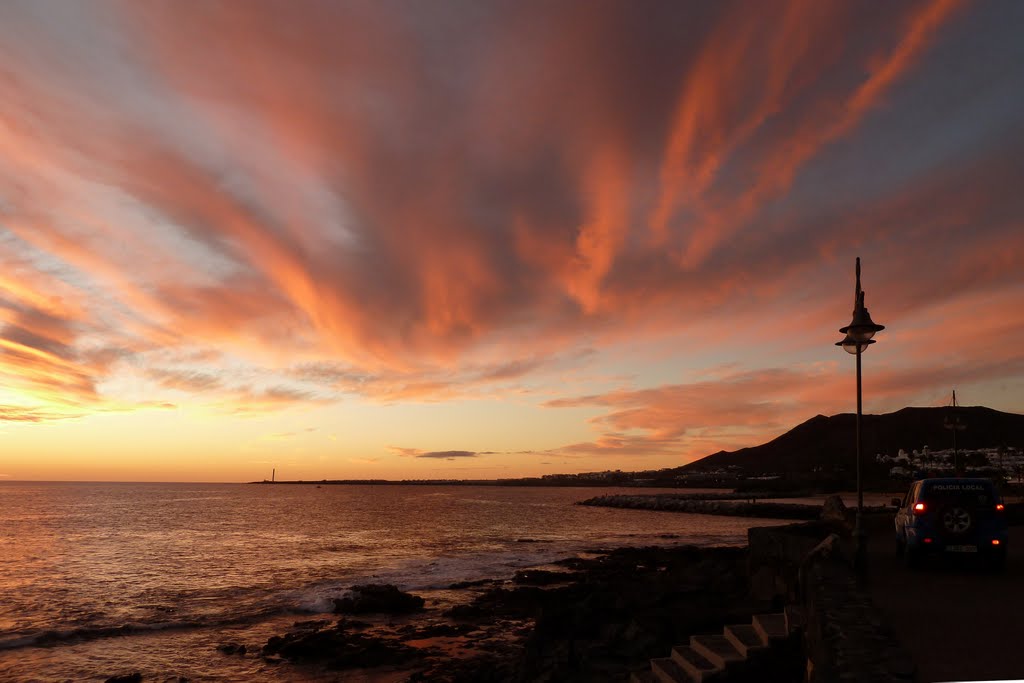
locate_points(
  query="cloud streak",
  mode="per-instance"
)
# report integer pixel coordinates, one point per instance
(447, 455)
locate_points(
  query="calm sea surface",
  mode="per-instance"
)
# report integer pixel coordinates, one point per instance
(98, 579)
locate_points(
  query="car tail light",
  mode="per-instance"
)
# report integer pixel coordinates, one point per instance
(927, 540)
(1000, 507)
(919, 509)
(995, 541)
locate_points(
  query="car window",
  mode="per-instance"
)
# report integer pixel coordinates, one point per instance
(912, 494)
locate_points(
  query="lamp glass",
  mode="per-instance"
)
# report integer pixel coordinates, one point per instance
(861, 333)
(852, 346)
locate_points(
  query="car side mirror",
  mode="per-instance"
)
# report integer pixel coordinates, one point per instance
(896, 502)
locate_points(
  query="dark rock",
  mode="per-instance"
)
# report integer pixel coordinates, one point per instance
(337, 648)
(472, 584)
(471, 611)
(312, 623)
(442, 630)
(353, 623)
(232, 648)
(135, 677)
(378, 599)
(608, 616)
(541, 577)
(835, 514)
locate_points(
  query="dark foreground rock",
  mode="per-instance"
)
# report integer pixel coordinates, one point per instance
(600, 620)
(835, 513)
(542, 577)
(337, 647)
(135, 677)
(379, 599)
(624, 608)
(232, 648)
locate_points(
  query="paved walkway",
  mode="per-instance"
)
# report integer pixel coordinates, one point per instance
(958, 623)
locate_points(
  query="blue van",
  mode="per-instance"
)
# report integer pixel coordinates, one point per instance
(952, 517)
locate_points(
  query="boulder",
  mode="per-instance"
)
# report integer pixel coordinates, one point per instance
(837, 515)
(378, 599)
(542, 577)
(232, 648)
(337, 648)
(135, 677)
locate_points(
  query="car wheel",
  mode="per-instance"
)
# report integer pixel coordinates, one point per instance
(956, 520)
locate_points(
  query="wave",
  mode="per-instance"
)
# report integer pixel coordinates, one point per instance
(436, 573)
(53, 637)
(56, 637)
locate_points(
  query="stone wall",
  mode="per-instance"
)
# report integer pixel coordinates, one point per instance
(810, 566)
(846, 638)
(775, 556)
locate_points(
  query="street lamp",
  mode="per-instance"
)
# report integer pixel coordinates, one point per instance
(859, 335)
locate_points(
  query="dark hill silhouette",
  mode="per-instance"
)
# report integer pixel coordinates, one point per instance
(828, 442)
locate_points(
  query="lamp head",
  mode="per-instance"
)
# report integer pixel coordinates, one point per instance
(854, 346)
(862, 327)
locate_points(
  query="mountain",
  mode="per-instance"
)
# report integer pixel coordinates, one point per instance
(827, 443)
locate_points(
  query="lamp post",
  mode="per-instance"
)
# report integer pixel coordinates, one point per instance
(859, 335)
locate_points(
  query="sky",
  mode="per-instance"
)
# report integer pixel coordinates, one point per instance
(408, 240)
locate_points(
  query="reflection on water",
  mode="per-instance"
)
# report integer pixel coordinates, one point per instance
(114, 576)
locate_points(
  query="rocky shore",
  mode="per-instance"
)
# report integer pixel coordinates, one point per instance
(598, 617)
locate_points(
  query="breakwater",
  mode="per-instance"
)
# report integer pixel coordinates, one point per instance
(733, 508)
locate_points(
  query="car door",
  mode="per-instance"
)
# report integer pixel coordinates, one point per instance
(903, 514)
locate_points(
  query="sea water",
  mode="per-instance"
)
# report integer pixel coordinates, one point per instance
(104, 578)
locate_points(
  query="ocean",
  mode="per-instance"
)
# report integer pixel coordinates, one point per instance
(100, 579)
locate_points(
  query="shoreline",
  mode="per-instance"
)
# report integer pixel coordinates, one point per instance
(584, 618)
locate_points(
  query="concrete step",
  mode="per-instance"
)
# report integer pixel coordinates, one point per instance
(745, 638)
(667, 670)
(643, 677)
(716, 649)
(771, 626)
(699, 667)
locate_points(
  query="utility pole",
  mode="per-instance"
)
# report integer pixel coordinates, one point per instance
(953, 424)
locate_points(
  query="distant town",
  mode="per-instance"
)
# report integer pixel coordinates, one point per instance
(1001, 464)
(817, 455)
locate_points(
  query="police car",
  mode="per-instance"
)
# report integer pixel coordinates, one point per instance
(952, 517)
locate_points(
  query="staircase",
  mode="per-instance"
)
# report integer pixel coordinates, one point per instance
(741, 650)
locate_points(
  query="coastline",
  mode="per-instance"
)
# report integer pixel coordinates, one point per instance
(598, 617)
(223, 593)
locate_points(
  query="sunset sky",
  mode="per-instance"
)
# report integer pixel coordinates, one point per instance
(491, 239)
